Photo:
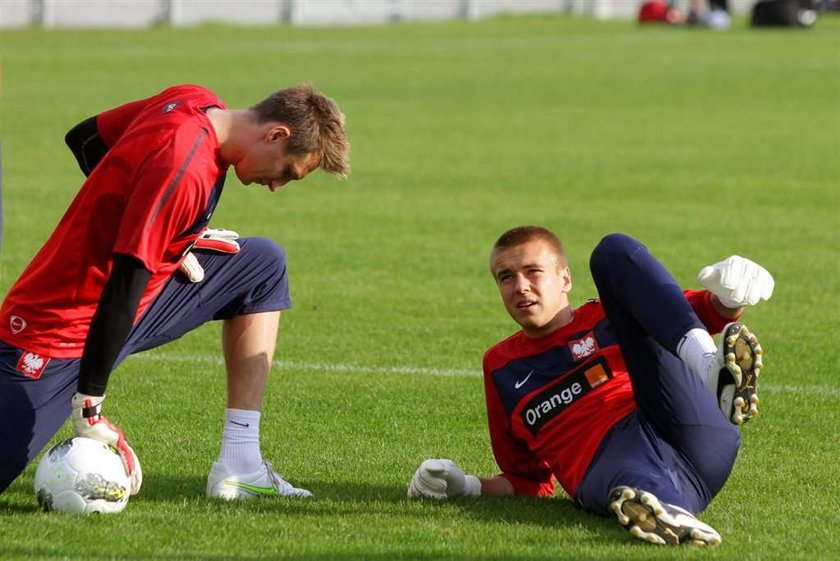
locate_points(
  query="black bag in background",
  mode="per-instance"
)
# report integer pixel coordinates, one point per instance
(783, 13)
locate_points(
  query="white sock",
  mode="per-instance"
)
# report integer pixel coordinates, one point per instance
(698, 350)
(240, 451)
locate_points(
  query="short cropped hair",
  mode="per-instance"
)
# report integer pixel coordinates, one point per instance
(524, 234)
(316, 122)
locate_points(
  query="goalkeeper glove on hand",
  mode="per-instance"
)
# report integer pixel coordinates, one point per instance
(737, 282)
(89, 423)
(220, 241)
(442, 479)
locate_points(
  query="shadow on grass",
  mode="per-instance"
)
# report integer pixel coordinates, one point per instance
(347, 496)
(40, 552)
(341, 498)
(338, 496)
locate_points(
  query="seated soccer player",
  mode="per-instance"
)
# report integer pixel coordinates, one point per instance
(626, 401)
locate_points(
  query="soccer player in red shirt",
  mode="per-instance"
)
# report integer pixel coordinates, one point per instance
(625, 401)
(106, 282)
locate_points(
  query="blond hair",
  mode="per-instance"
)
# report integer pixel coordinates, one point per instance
(316, 122)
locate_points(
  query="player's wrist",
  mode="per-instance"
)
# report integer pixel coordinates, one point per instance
(87, 405)
(472, 486)
(725, 308)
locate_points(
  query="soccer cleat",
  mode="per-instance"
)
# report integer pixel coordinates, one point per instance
(266, 482)
(739, 364)
(650, 520)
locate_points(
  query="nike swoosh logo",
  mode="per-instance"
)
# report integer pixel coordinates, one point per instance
(266, 491)
(246, 425)
(520, 383)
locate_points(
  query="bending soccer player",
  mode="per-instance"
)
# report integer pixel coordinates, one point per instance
(106, 283)
(626, 401)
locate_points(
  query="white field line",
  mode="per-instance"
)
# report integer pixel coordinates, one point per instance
(314, 367)
(827, 391)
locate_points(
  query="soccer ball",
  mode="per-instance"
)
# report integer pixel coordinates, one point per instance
(82, 475)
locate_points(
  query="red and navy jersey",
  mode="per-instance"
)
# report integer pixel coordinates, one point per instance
(149, 197)
(552, 400)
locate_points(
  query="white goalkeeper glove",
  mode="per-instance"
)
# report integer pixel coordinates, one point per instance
(442, 479)
(89, 422)
(221, 241)
(737, 282)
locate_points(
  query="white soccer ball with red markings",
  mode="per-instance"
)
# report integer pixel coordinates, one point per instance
(82, 476)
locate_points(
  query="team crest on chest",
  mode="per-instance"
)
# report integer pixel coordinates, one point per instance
(32, 365)
(583, 347)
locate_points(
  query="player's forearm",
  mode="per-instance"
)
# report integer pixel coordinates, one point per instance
(111, 323)
(496, 486)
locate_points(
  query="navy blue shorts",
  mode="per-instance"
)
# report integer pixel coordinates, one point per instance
(31, 411)
(677, 445)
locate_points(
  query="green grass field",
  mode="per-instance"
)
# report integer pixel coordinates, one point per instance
(701, 144)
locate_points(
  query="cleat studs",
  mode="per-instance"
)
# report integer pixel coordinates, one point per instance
(653, 538)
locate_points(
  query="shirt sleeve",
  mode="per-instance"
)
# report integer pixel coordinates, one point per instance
(528, 475)
(165, 201)
(112, 123)
(701, 302)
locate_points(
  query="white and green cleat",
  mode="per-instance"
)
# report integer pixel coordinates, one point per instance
(266, 482)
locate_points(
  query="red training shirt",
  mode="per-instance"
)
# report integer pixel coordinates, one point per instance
(149, 198)
(552, 400)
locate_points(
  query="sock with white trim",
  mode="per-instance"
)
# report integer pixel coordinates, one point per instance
(697, 349)
(240, 452)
